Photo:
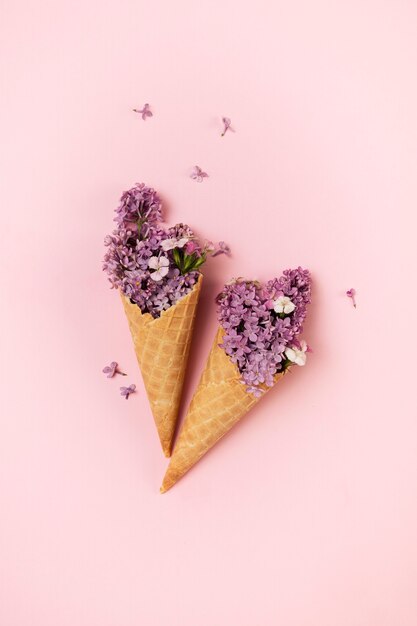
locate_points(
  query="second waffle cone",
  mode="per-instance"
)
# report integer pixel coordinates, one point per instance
(219, 402)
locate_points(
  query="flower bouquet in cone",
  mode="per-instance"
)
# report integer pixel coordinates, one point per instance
(157, 272)
(257, 342)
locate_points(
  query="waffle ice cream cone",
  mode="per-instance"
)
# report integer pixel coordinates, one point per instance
(219, 402)
(162, 345)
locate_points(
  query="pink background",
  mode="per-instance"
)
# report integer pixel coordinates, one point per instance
(306, 514)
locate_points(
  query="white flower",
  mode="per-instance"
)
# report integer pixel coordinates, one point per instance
(283, 305)
(160, 265)
(170, 244)
(297, 356)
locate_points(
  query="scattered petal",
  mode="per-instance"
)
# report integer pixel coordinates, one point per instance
(209, 246)
(145, 112)
(126, 391)
(351, 293)
(112, 369)
(227, 125)
(222, 248)
(197, 174)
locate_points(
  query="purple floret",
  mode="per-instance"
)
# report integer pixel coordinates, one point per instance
(126, 263)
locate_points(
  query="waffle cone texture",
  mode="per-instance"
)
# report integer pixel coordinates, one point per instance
(219, 402)
(162, 345)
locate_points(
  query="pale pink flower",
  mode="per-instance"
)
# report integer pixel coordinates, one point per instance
(283, 304)
(191, 247)
(173, 242)
(160, 265)
(297, 355)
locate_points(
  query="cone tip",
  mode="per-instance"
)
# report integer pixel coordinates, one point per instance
(166, 485)
(166, 446)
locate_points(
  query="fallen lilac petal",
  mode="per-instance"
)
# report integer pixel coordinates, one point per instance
(227, 125)
(197, 174)
(145, 112)
(126, 391)
(222, 248)
(112, 369)
(351, 293)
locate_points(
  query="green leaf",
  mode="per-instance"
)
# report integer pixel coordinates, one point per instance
(177, 258)
(187, 263)
(193, 262)
(199, 262)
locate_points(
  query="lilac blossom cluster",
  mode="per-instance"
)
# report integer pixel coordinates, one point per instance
(152, 266)
(140, 208)
(262, 325)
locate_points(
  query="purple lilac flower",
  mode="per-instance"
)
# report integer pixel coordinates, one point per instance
(256, 336)
(112, 369)
(127, 264)
(152, 266)
(351, 293)
(126, 391)
(222, 248)
(226, 125)
(145, 112)
(127, 260)
(198, 174)
(140, 208)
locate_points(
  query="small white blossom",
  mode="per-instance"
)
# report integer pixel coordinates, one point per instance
(296, 355)
(170, 244)
(283, 305)
(160, 265)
